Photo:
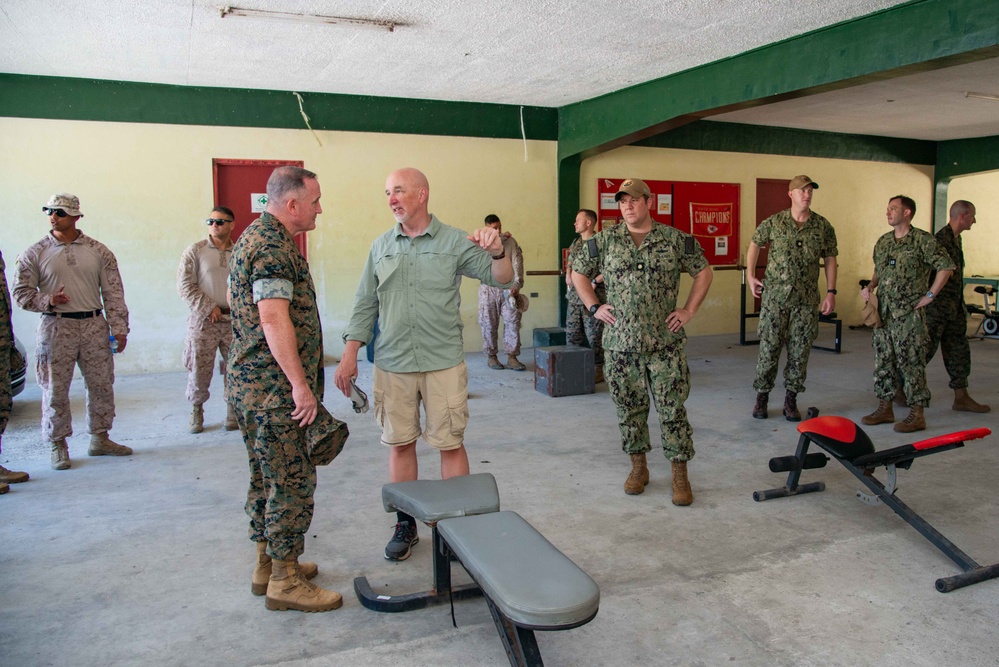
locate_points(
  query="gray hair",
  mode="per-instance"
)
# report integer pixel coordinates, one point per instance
(285, 182)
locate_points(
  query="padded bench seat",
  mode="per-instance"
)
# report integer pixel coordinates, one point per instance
(430, 500)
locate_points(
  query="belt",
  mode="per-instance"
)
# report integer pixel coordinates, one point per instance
(82, 315)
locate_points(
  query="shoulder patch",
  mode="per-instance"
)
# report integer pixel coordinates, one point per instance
(688, 245)
(591, 245)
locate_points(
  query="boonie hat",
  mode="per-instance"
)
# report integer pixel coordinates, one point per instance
(633, 187)
(67, 202)
(519, 302)
(799, 182)
(325, 437)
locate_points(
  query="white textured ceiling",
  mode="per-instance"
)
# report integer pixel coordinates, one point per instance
(532, 52)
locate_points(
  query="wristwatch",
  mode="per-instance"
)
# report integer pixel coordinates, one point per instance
(594, 308)
(831, 291)
(929, 295)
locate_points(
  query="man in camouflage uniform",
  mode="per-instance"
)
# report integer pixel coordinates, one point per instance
(202, 279)
(799, 239)
(580, 328)
(7, 477)
(947, 317)
(275, 381)
(644, 341)
(903, 259)
(494, 305)
(70, 279)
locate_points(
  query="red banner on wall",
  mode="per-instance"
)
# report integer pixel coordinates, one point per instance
(711, 219)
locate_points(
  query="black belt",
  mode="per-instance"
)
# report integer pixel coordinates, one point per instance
(82, 315)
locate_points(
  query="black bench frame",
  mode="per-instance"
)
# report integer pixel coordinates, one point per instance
(863, 468)
(831, 318)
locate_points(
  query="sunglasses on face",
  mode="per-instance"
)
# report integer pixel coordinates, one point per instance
(59, 213)
(216, 221)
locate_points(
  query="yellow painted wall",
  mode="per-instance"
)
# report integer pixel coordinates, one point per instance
(853, 196)
(981, 242)
(145, 191)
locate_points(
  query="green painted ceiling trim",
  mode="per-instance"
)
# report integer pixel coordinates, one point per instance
(60, 98)
(862, 49)
(738, 138)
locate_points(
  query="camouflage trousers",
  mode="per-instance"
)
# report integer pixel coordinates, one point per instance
(664, 375)
(582, 329)
(6, 400)
(900, 354)
(62, 345)
(282, 481)
(780, 327)
(947, 328)
(493, 307)
(200, 348)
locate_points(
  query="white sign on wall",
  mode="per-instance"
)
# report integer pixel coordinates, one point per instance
(258, 202)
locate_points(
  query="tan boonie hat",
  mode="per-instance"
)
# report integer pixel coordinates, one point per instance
(633, 187)
(519, 302)
(799, 182)
(67, 202)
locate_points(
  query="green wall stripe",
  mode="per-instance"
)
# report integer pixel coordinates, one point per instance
(739, 138)
(60, 98)
(959, 158)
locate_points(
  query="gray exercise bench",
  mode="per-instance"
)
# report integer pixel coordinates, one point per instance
(527, 582)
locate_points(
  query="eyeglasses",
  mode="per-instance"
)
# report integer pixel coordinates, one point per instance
(216, 221)
(59, 213)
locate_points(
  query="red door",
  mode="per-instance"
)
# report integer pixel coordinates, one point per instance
(771, 197)
(239, 184)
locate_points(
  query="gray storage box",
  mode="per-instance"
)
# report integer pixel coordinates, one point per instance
(549, 336)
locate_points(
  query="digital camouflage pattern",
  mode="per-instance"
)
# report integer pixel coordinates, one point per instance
(903, 269)
(494, 306)
(947, 317)
(789, 316)
(580, 327)
(6, 348)
(266, 264)
(200, 349)
(642, 355)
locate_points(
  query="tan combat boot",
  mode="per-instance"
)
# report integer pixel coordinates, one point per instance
(494, 363)
(197, 424)
(513, 363)
(12, 477)
(4, 488)
(262, 570)
(288, 589)
(231, 423)
(791, 407)
(965, 403)
(102, 445)
(913, 422)
(60, 455)
(883, 415)
(639, 476)
(682, 494)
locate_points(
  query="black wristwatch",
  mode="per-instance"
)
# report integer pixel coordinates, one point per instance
(831, 291)
(594, 308)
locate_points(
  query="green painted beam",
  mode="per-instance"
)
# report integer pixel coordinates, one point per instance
(960, 157)
(59, 98)
(738, 138)
(568, 205)
(886, 43)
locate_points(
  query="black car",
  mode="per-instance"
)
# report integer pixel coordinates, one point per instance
(18, 367)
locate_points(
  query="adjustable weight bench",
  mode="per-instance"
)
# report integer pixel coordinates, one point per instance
(849, 445)
(527, 582)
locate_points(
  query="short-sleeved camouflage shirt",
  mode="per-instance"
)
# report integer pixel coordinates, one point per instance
(903, 268)
(792, 271)
(266, 263)
(953, 289)
(642, 283)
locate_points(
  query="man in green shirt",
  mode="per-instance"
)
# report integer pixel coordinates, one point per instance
(410, 285)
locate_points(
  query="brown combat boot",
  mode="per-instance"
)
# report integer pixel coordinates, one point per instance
(102, 445)
(514, 364)
(639, 476)
(289, 589)
(760, 409)
(197, 424)
(883, 415)
(262, 570)
(791, 407)
(494, 363)
(12, 477)
(60, 455)
(899, 398)
(231, 423)
(682, 494)
(913, 422)
(965, 403)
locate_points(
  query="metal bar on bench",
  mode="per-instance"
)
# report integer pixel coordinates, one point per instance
(520, 643)
(792, 488)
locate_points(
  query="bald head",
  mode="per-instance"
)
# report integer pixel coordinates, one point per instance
(962, 216)
(408, 193)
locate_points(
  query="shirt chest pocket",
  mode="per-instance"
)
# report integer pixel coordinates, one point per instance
(437, 272)
(389, 272)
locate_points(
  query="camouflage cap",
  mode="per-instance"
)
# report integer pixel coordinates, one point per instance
(799, 182)
(67, 202)
(633, 187)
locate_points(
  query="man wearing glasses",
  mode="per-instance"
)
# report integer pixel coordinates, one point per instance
(73, 281)
(202, 279)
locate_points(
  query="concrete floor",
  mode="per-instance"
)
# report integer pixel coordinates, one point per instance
(145, 560)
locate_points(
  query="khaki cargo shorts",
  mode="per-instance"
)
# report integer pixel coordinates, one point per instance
(444, 395)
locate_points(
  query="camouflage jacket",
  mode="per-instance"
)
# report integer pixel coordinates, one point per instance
(903, 268)
(266, 264)
(792, 271)
(578, 246)
(953, 290)
(642, 283)
(6, 328)
(201, 280)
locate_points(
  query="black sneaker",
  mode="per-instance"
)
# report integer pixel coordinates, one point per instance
(399, 547)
